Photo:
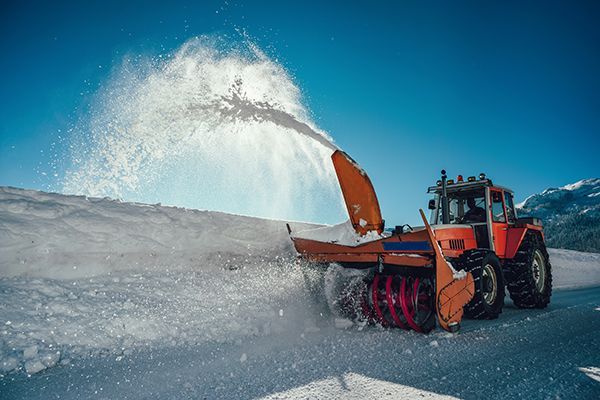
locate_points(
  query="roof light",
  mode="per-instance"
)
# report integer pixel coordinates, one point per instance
(482, 176)
(459, 178)
(450, 181)
(471, 179)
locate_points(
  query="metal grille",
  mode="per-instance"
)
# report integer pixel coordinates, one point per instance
(457, 244)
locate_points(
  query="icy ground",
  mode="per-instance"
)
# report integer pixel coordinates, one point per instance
(101, 299)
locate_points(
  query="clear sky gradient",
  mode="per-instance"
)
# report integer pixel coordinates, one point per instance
(509, 88)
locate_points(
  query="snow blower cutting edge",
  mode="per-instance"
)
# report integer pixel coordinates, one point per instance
(460, 262)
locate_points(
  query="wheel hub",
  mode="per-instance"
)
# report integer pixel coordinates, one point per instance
(490, 284)
(538, 269)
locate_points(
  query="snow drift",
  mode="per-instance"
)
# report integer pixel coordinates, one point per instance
(46, 235)
(86, 276)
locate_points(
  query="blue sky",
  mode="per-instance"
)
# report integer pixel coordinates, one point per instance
(509, 88)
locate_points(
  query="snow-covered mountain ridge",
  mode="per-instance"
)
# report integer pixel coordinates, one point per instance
(571, 214)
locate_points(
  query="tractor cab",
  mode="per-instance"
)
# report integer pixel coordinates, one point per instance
(476, 203)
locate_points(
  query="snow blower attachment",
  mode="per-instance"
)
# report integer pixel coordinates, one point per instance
(438, 272)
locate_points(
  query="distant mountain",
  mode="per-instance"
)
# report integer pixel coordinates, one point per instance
(571, 215)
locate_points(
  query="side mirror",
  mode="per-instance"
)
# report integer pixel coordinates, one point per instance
(431, 204)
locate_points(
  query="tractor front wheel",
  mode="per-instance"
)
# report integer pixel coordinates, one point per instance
(488, 299)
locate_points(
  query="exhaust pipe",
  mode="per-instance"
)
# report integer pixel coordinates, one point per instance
(444, 200)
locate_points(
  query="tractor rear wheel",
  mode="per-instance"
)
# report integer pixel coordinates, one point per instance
(488, 299)
(529, 274)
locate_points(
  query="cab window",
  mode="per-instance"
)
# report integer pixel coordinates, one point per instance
(510, 207)
(497, 207)
(465, 207)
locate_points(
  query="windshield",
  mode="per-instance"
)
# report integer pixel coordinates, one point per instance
(465, 207)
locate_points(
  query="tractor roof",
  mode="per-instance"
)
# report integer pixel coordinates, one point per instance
(466, 186)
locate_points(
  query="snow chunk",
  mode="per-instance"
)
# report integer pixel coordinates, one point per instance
(30, 352)
(343, 234)
(34, 366)
(459, 274)
(51, 359)
(8, 364)
(343, 323)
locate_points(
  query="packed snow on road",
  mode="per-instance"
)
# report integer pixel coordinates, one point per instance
(106, 299)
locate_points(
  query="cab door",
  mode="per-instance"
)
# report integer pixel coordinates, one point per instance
(499, 222)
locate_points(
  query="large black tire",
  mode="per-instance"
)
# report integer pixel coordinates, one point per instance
(529, 274)
(488, 299)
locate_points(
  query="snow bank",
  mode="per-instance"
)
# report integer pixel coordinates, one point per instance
(573, 269)
(82, 276)
(45, 321)
(48, 235)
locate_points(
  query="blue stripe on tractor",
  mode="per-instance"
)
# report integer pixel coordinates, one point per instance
(406, 246)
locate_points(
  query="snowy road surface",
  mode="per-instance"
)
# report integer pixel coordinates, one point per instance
(549, 353)
(103, 299)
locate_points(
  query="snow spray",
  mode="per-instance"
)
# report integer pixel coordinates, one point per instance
(217, 126)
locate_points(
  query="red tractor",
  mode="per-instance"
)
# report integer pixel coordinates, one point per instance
(460, 262)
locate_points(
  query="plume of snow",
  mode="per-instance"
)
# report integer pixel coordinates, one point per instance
(217, 125)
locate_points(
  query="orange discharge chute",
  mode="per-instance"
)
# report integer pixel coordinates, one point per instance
(359, 195)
